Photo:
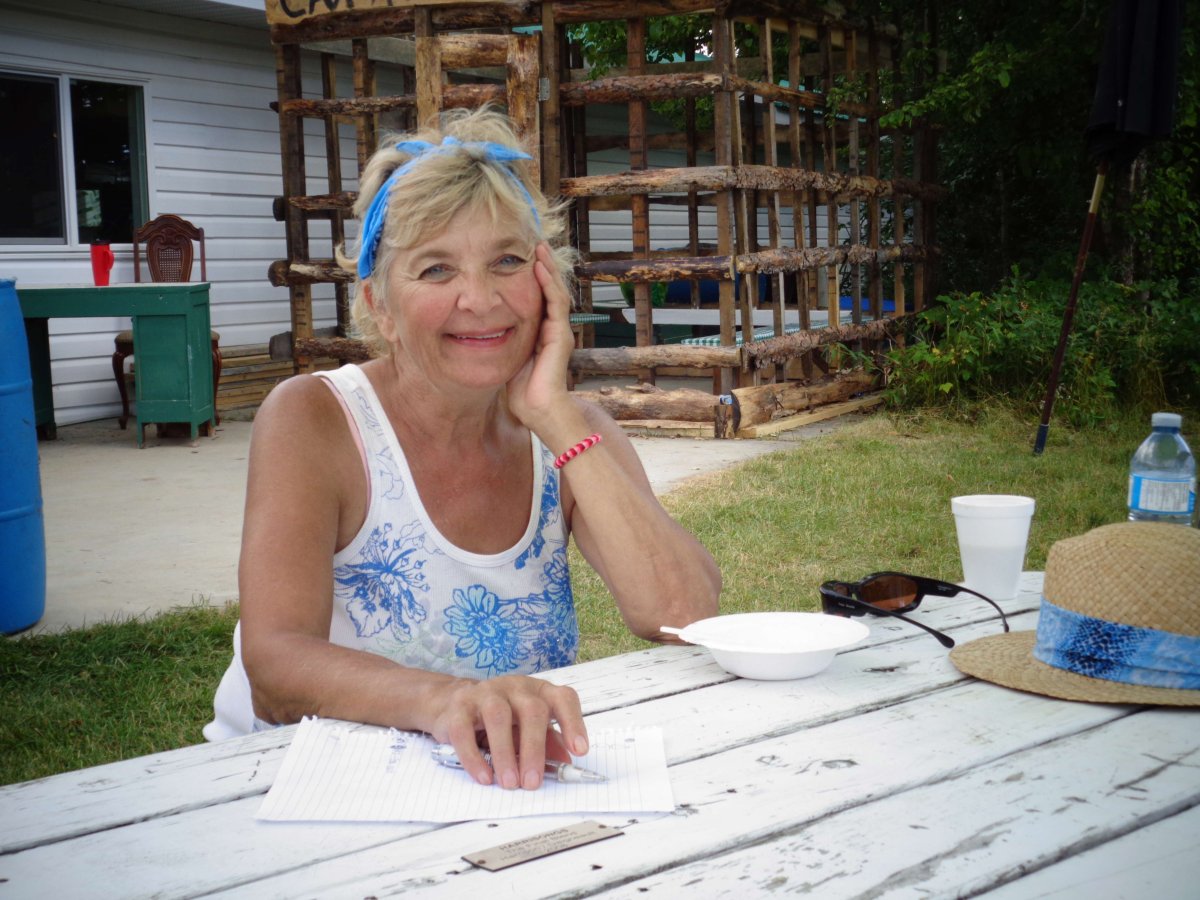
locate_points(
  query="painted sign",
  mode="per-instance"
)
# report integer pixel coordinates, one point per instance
(290, 12)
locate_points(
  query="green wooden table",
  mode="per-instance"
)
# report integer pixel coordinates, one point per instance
(171, 340)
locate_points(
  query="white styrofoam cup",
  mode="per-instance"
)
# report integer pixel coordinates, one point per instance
(993, 530)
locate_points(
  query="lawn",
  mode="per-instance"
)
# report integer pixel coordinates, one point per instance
(874, 495)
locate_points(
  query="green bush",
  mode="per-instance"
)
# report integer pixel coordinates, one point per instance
(1130, 346)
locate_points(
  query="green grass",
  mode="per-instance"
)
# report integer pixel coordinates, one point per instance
(109, 692)
(875, 495)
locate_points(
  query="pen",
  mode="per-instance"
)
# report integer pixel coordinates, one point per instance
(444, 755)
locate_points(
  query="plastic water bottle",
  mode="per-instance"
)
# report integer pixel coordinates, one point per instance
(1162, 476)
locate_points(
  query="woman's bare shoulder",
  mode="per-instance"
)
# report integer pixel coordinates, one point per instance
(302, 400)
(301, 419)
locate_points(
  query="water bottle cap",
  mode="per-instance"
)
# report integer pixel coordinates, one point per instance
(1166, 420)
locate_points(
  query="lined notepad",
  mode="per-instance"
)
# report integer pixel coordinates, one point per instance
(341, 771)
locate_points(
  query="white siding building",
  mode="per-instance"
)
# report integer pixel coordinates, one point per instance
(203, 74)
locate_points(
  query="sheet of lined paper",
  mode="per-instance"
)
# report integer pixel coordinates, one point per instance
(342, 771)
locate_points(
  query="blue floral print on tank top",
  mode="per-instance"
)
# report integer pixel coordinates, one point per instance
(502, 634)
(385, 591)
(383, 587)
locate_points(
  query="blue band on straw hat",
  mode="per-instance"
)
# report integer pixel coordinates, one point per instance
(1098, 648)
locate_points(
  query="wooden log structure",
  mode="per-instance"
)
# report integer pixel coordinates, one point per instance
(648, 402)
(745, 177)
(815, 202)
(753, 406)
(775, 351)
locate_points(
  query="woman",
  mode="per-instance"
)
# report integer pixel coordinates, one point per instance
(418, 507)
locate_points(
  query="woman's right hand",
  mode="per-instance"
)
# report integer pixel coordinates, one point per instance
(512, 715)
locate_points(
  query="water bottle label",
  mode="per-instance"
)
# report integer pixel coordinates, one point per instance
(1153, 496)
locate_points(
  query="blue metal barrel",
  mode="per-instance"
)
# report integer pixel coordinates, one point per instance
(22, 535)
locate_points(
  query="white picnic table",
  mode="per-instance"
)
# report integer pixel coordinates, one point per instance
(890, 774)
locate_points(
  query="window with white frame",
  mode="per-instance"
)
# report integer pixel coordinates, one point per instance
(74, 158)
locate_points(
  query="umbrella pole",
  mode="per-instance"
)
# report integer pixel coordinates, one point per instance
(1085, 244)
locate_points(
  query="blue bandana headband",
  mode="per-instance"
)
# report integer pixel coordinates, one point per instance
(373, 221)
(1098, 648)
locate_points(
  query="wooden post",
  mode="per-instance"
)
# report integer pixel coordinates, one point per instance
(771, 158)
(333, 169)
(640, 202)
(745, 209)
(291, 147)
(850, 40)
(723, 144)
(689, 117)
(833, 289)
(811, 138)
(577, 159)
(874, 225)
(551, 109)
(801, 277)
(899, 210)
(364, 86)
(522, 91)
(429, 67)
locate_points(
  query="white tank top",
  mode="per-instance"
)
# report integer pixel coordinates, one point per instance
(404, 591)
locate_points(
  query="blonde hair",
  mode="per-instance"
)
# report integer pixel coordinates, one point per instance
(439, 187)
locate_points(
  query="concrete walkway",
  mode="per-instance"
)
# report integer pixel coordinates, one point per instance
(134, 532)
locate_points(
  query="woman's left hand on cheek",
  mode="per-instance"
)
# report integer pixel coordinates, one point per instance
(543, 379)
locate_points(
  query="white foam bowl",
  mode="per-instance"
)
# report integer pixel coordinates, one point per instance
(773, 646)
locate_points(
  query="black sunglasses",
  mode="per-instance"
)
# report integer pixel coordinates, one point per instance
(891, 594)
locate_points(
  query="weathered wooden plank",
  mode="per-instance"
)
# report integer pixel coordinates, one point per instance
(137, 789)
(663, 428)
(628, 88)
(623, 359)
(289, 82)
(552, 64)
(778, 93)
(397, 18)
(945, 839)
(346, 349)
(821, 414)
(778, 350)
(1157, 861)
(829, 148)
(759, 405)
(522, 95)
(648, 402)
(745, 177)
(428, 67)
(725, 128)
(652, 270)
(315, 271)
(572, 11)
(466, 51)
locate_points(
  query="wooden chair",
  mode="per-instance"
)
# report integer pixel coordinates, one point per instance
(169, 256)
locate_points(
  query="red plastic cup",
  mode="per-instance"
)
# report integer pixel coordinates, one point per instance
(102, 262)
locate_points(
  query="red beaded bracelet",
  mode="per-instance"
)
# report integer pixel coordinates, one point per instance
(567, 455)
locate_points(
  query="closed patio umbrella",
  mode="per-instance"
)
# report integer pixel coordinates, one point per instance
(1133, 105)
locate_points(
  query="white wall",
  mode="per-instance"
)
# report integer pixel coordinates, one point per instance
(213, 158)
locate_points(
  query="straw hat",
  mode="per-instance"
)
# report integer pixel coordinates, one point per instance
(1140, 574)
